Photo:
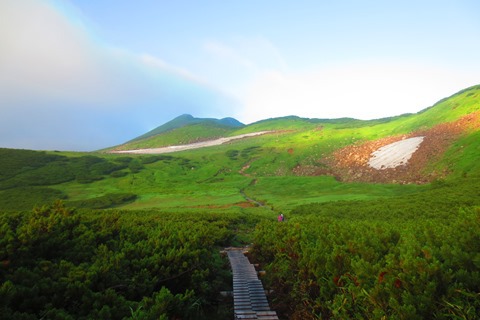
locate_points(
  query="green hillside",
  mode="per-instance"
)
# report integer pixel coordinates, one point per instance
(183, 129)
(137, 236)
(183, 135)
(215, 176)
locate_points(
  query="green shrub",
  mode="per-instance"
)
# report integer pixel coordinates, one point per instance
(232, 154)
(412, 257)
(107, 201)
(59, 263)
(118, 174)
(25, 198)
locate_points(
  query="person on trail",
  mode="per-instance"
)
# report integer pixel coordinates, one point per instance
(280, 217)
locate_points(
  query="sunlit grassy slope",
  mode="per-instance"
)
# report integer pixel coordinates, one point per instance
(252, 174)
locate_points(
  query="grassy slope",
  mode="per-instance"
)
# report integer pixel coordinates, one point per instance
(446, 110)
(211, 179)
(183, 135)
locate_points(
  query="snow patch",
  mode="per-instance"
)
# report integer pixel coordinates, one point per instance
(394, 154)
(196, 145)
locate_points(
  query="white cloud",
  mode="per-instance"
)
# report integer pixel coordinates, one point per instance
(43, 56)
(364, 91)
(61, 86)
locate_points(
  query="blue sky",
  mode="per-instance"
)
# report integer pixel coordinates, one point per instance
(84, 75)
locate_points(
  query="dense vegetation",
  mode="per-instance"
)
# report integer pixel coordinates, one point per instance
(29, 178)
(56, 263)
(19, 168)
(415, 257)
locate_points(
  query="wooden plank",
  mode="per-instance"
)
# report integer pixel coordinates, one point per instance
(261, 307)
(247, 313)
(240, 310)
(266, 313)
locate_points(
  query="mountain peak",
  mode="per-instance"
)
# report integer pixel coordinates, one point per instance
(184, 116)
(186, 120)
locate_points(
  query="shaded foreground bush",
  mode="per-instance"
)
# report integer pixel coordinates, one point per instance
(61, 264)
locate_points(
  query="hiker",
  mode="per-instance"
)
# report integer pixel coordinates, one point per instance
(281, 217)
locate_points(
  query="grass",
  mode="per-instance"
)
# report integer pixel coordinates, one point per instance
(462, 157)
(285, 193)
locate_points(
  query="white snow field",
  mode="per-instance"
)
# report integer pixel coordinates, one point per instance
(394, 154)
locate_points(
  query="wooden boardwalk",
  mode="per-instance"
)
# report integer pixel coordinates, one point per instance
(249, 299)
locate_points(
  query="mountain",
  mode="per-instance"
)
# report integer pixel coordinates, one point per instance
(342, 147)
(183, 129)
(188, 120)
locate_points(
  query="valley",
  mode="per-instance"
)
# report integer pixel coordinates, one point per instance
(382, 219)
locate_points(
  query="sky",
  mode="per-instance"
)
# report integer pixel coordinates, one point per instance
(83, 75)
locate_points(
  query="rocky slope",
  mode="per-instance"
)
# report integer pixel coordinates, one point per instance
(352, 162)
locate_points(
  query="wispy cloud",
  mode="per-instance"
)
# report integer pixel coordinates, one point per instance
(224, 52)
(158, 63)
(236, 63)
(253, 53)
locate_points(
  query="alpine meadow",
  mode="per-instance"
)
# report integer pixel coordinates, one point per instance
(135, 231)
